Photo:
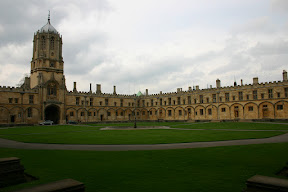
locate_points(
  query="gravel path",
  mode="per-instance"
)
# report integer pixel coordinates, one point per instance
(5, 143)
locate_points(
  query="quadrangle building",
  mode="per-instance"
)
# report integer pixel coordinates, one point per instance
(44, 96)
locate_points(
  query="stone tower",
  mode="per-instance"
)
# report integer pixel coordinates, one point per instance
(47, 61)
(47, 73)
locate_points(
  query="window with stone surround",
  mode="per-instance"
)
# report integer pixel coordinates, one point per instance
(16, 100)
(214, 98)
(189, 100)
(209, 111)
(10, 100)
(250, 108)
(169, 113)
(223, 109)
(262, 95)
(77, 100)
(91, 101)
(82, 113)
(201, 111)
(255, 96)
(108, 113)
(201, 98)
(29, 112)
(278, 94)
(270, 93)
(106, 102)
(226, 97)
(180, 112)
(31, 99)
(286, 91)
(52, 40)
(71, 114)
(279, 107)
(240, 95)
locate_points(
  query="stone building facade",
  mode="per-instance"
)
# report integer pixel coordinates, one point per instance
(44, 96)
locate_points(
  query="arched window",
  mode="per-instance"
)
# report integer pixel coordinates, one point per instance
(43, 43)
(29, 112)
(51, 89)
(52, 43)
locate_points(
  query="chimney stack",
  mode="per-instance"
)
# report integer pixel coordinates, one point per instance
(241, 82)
(146, 92)
(284, 75)
(255, 80)
(98, 88)
(197, 87)
(218, 83)
(114, 90)
(90, 87)
(74, 88)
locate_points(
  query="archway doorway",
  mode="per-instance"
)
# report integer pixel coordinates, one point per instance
(52, 113)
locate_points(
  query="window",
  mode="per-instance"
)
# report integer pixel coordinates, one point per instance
(201, 111)
(189, 100)
(236, 107)
(122, 113)
(262, 95)
(223, 109)
(71, 113)
(174, 102)
(220, 99)
(94, 113)
(31, 99)
(82, 102)
(207, 99)
(250, 108)
(255, 94)
(143, 112)
(10, 100)
(278, 94)
(169, 112)
(178, 101)
(143, 103)
(19, 115)
(77, 100)
(91, 101)
(29, 112)
(195, 101)
(121, 102)
(286, 92)
(138, 113)
(100, 103)
(129, 104)
(108, 113)
(183, 101)
(51, 89)
(165, 103)
(52, 43)
(180, 112)
(115, 104)
(209, 111)
(106, 102)
(264, 106)
(226, 96)
(270, 93)
(43, 43)
(201, 98)
(89, 113)
(233, 98)
(151, 102)
(82, 113)
(240, 95)
(279, 107)
(150, 112)
(52, 64)
(169, 101)
(247, 97)
(16, 100)
(214, 98)
(116, 113)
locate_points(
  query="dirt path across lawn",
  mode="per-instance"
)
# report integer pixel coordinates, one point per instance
(5, 143)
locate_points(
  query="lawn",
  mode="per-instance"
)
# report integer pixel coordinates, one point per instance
(218, 169)
(83, 134)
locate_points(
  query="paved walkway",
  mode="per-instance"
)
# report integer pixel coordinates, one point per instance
(5, 143)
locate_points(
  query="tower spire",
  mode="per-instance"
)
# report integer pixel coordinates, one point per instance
(49, 17)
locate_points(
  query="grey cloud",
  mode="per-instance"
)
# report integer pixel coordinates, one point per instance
(274, 48)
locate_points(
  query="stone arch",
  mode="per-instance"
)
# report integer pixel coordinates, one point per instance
(190, 112)
(236, 111)
(211, 112)
(92, 114)
(4, 115)
(161, 112)
(16, 115)
(82, 114)
(71, 114)
(170, 113)
(179, 113)
(281, 109)
(200, 112)
(250, 111)
(266, 110)
(52, 112)
(224, 111)
(128, 114)
(102, 114)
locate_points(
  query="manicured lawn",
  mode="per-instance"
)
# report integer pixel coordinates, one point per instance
(92, 135)
(233, 125)
(219, 169)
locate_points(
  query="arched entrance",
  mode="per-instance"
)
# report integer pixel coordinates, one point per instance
(52, 112)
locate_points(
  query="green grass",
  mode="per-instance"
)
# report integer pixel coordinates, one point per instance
(92, 135)
(218, 169)
(233, 125)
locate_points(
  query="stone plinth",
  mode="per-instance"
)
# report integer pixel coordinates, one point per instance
(11, 172)
(65, 185)
(259, 183)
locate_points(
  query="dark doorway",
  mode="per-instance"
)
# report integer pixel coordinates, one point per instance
(12, 118)
(101, 117)
(52, 113)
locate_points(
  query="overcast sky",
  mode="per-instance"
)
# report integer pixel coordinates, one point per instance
(159, 45)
